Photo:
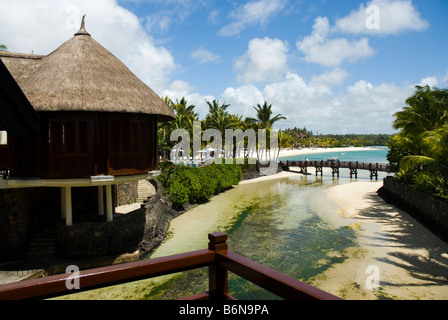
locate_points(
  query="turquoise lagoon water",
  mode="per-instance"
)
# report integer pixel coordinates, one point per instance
(377, 155)
(285, 224)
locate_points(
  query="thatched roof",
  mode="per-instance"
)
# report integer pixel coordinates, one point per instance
(81, 75)
(17, 116)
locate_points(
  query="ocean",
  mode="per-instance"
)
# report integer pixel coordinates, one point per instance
(376, 155)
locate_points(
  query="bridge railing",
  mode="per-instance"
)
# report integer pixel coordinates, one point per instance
(340, 164)
(218, 259)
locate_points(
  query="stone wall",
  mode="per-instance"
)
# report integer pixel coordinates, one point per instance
(96, 239)
(430, 210)
(24, 213)
(127, 193)
(159, 212)
(143, 230)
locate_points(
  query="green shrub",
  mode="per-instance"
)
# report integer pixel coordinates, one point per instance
(178, 193)
(197, 185)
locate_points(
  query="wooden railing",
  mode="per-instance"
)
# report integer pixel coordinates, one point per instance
(335, 165)
(340, 164)
(217, 257)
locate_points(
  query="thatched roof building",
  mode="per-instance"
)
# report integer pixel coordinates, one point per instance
(81, 75)
(97, 122)
(93, 112)
(17, 116)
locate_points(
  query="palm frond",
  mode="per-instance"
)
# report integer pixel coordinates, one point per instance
(414, 161)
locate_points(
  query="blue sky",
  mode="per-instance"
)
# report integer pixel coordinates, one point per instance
(317, 62)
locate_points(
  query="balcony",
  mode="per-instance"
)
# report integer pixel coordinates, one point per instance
(217, 257)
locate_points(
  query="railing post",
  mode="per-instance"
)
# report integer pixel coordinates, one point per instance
(217, 275)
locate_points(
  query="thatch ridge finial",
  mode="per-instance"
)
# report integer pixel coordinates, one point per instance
(82, 30)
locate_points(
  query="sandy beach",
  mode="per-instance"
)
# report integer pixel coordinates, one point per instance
(397, 257)
(297, 152)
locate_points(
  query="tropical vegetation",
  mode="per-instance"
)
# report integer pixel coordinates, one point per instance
(188, 184)
(219, 118)
(191, 185)
(419, 151)
(302, 138)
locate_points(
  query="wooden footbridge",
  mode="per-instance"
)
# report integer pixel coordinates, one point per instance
(335, 165)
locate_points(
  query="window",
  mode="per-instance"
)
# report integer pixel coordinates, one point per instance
(3, 150)
(71, 147)
(3, 138)
(132, 147)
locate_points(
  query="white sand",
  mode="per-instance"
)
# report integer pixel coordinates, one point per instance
(412, 263)
(280, 175)
(297, 152)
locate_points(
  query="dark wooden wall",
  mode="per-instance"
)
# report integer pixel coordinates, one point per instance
(84, 144)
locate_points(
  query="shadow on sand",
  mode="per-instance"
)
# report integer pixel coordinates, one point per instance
(415, 248)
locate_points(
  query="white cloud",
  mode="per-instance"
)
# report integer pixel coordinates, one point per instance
(181, 86)
(158, 22)
(360, 108)
(318, 48)
(205, 56)
(329, 79)
(181, 89)
(364, 107)
(242, 99)
(395, 16)
(445, 79)
(213, 17)
(265, 59)
(42, 26)
(252, 13)
(430, 81)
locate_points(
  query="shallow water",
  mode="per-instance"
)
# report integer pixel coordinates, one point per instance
(286, 224)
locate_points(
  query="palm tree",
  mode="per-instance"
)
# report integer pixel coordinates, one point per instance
(3, 47)
(285, 140)
(264, 121)
(218, 118)
(427, 110)
(264, 113)
(430, 168)
(185, 116)
(182, 108)
(421, 147)
(215, 107)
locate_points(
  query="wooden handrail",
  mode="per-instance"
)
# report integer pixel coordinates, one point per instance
(280, 284)
(54, 286)
(216, 257)
(339, 164)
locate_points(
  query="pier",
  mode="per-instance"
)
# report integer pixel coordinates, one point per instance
(336, 165)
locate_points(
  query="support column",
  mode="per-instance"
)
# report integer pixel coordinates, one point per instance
(63, 204)
(218, 275)
(66, 205)
(109, 207)
(100, 201)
